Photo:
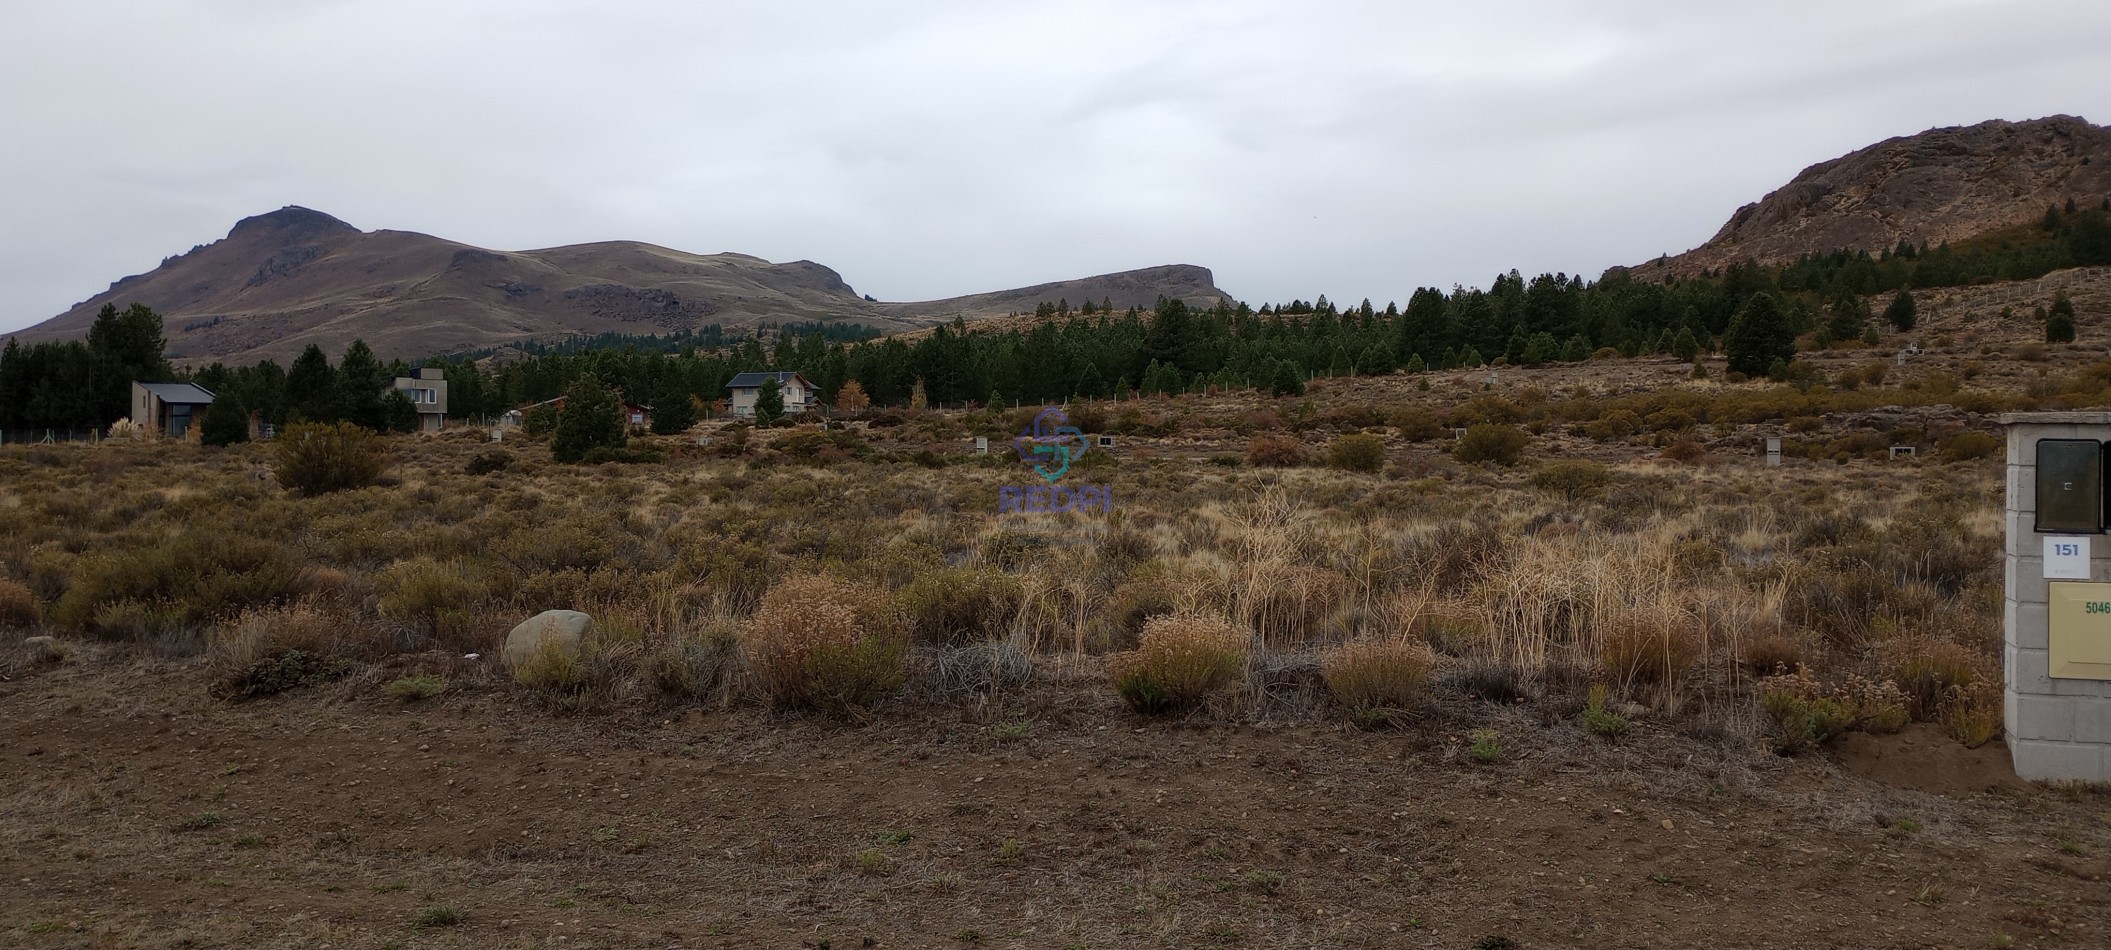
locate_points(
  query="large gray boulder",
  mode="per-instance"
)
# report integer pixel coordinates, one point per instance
(566, 628)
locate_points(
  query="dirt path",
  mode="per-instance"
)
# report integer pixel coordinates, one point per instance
(139, 813)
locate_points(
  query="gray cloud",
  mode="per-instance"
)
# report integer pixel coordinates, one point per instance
(936, 147)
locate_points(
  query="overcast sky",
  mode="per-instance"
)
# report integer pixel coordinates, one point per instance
(939, 147)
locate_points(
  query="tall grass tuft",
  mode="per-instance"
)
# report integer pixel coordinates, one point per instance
(1655, 645)
(1180, 660)
(1370, 675)
(821, 643)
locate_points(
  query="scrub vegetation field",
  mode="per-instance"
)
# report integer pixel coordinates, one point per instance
(1462, 659)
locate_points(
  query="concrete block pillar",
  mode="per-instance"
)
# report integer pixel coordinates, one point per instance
(2058, 726)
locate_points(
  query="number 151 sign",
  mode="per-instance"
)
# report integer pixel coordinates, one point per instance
(2067, 558)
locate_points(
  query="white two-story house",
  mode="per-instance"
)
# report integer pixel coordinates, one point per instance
(800, 395)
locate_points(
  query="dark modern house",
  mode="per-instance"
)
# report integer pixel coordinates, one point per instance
(169, 409)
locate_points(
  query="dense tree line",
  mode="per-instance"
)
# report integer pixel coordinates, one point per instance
(1095, 350)
(2066, 237)
(82, 383)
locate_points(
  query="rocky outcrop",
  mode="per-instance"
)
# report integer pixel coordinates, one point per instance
(1940, 185)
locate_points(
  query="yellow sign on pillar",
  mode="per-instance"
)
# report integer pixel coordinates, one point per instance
(2080, 630)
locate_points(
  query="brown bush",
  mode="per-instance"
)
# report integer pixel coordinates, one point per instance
(18, 607)
(956, 605)
(1357, 453)
(1493, 443)
(314, 459)
(1769, 656)
(1276, 451)
(1965, 446)
(1377, 674)
(437, 596)
(1669, 420)
(1415, 425)
(1617, 424)
(1649, 645)
(818, 642)
(1928, 670)
(1179, 661)
(1573, 480)
(1685, 452)
(270, 650)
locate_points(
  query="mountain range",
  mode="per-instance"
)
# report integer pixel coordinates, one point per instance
(283, 280)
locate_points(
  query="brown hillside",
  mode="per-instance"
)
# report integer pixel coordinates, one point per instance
(1940, 185)
(1136, 288)
(283, 280)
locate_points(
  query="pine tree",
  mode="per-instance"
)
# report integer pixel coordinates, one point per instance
(311, 386)
(769, 400)
(226, 422)
(359, 385)
(1758, 335)
(123, 348)
(1684, 347)
(1414, 364)
(1285, 379)
(918, 402)
(398, 413)
(673, 410)
(592, 418)
(1849, 316)
(2059, 324)
(1576, 350)
(1539, 348)
(1902, 313)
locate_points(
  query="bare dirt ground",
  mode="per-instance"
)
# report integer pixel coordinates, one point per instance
(138, 812)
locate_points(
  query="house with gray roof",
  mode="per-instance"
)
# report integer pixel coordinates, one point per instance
(169, 409)
(800, 395)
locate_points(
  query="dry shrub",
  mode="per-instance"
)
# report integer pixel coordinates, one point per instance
(314, 459)
(189, 580)
(1928, 670)
(568, 675)
(1357, 453)
(1805, 716)
(18, 607)
(1965, 446)
(1617, 424)
(1685, 452)
(1495, 443)
(984, 668)
(1808, 714)
(1276, 451)
(1290, 604)
(1179, 661)
(1377, 674)
(270, 650)
(1573, 480)
(1772, 655)
(439, 596)
(817, 642)
(1972, 714)
(1457, 554)
(955, 605)
(1655, 644)
(693, 664)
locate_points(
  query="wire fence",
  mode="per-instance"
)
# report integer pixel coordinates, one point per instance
(48, 436)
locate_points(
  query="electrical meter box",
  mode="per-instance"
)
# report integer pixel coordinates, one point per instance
(2070, 486)
(2080, 630)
